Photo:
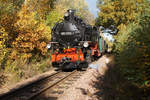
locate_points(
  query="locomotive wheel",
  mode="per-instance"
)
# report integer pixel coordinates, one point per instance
(83, 64)
(79, 68)
(68, 66)
(94, 58)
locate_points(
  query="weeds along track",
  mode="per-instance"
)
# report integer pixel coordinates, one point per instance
(51, 86)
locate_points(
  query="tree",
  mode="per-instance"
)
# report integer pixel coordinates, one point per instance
(61, 6)
(42, 7)
(132, 43)
(119, 12)
(31, 34)
(25, 33)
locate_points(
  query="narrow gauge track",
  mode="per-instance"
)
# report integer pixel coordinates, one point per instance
(39, 88)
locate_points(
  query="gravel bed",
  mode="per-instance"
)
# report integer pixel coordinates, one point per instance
(83, 88)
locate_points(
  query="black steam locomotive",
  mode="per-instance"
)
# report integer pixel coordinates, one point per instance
(73, 42)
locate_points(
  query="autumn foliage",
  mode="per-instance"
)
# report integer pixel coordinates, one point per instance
(132, 18)
(25, 26)
(119, 12)
(32, 35)
(25, 30)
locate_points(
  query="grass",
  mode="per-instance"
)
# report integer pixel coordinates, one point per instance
(18, 70)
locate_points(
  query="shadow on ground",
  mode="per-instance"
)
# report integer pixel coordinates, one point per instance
(43, 97)
(113, 86)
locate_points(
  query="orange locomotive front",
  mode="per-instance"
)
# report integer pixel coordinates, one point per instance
(71, 54)
(71, 58)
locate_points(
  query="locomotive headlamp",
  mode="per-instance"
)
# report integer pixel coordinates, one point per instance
(85, 44)
(49, 45)
(66, 14)
(70, 10)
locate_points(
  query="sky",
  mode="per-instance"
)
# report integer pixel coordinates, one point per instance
(92, 7)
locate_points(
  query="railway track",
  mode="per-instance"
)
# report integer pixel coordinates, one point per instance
(45, 89)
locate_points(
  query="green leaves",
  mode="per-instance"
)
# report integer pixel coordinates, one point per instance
(133, 53)
(61, 6)
(121, 11)
(132, 43)
(53, 18)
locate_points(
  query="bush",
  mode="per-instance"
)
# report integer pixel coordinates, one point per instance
(133, 52)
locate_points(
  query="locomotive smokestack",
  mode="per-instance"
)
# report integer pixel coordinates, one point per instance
(69, 14)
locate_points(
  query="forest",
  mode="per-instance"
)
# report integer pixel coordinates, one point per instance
(25, 29)
(131, 48)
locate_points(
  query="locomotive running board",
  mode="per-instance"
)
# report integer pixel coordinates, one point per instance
(53, 42)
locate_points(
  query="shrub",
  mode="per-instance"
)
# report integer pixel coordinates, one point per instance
(133, 52)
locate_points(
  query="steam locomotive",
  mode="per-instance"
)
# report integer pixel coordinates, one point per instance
(74, 43)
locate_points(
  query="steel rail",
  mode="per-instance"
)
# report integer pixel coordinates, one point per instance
(12, 93)
(51, 86)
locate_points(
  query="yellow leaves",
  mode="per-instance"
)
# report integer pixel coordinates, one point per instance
(121, 11)
(139, 1)
(13, 55)
(122, 27)
(2, 29)
(3, 37)
(106, 10)
(138, 43)
(147, 84)
(26, 56)
(26, 19)
(42, 7)
(31, 34)
(42, 47)
(44, 30)
(22, 30)
(16, 55)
